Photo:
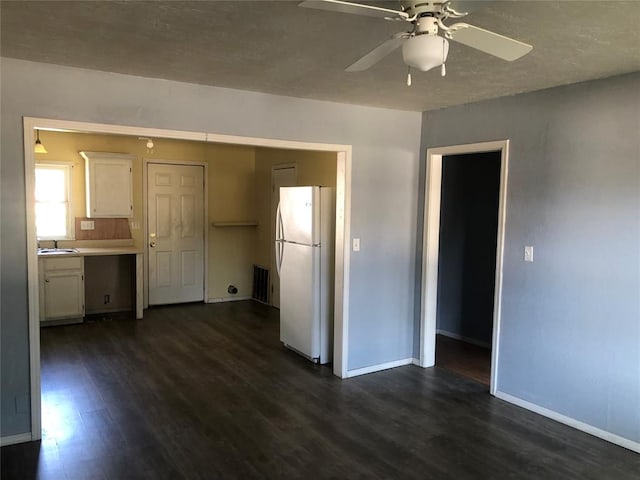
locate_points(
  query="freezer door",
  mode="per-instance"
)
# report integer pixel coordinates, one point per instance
(300, 299)
(299, 215)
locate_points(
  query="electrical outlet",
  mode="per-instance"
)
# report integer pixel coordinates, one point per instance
(87, 225)
(356, 244)
(107, 299)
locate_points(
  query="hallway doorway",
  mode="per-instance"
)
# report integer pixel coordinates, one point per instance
(462, 259)
(467, 263)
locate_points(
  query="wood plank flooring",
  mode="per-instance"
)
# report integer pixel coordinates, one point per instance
(463, 358)
(207, 392)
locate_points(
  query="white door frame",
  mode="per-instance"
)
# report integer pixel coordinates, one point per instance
(145, 221)
(343, 229)
(430, 249)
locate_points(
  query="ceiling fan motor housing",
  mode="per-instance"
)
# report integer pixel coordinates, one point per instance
(417, 7)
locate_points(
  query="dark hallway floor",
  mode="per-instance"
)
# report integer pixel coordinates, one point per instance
(463, 358)
(207, 392)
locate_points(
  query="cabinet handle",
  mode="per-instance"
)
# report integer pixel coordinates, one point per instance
(152, 244)
(46, 281)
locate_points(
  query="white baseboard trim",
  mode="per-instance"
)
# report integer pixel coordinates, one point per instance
(13, 439)
(226, 299)
(462, 338)
(416, 361)
(584, 427)
(377, 368)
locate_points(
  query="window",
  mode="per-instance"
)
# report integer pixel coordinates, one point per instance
(53, 202)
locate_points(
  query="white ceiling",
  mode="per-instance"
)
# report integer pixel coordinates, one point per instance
(279, 48)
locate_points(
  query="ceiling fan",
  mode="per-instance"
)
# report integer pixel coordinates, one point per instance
(422, 47)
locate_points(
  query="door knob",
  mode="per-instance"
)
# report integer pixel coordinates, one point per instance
(152, 244)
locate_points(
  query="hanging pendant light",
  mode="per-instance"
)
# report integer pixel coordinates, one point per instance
(39, 147)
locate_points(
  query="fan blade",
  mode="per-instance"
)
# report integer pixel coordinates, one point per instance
(377, 54)
(465, 6)
(355, 8)
(489, 42)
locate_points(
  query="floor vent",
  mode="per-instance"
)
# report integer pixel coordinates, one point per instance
(260, 284)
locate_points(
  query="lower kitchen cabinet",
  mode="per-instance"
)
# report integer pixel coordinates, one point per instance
(61, 289)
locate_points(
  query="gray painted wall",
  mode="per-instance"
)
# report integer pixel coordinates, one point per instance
(570, 339)
(467, 251)
(384, 191)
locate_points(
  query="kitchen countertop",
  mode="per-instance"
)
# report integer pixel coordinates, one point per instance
(93, 251)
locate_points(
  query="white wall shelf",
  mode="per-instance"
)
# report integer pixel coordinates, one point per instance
(247, 223)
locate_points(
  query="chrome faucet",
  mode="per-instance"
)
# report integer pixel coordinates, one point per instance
(55, 244)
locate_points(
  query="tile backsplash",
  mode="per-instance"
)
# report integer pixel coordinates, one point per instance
(103, 229)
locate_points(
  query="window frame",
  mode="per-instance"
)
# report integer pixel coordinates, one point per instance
(67, 168)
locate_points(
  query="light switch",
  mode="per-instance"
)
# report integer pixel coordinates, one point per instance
(134, 225)
(356, 244)
(87, 225)
(528, 253)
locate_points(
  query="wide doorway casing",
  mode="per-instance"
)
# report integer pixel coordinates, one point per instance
(343, 223)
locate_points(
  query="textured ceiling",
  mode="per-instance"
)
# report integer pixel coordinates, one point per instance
(279, 48)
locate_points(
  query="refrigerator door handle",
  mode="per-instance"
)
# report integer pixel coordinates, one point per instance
(279, 255)
(279, 224)
(278, 242)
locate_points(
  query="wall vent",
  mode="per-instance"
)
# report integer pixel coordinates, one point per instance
(260, 284)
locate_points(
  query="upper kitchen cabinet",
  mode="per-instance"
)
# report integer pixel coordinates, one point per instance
(109, 184)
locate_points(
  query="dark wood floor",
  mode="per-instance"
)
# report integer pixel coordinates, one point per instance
(463, 358)
(207, 391)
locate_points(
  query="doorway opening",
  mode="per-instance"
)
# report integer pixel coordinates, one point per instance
(341, 155)
(466, 264)
(463, 248)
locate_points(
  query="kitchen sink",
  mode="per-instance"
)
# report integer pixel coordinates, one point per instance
(57, 250)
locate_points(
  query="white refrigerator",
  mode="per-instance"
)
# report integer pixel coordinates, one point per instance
(304, 247)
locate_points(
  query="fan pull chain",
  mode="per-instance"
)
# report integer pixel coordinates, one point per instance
(408, 76)
(443, 68)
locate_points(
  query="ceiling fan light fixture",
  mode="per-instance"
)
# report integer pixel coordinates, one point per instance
(425, 52)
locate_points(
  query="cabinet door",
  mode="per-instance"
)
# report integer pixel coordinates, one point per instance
(109, 187)
(63, 295)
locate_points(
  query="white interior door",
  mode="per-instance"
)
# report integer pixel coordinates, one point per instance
(175, 205)
(280, 177)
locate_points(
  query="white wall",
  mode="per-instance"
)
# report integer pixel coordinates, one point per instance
(570, 330)
(384, 191)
